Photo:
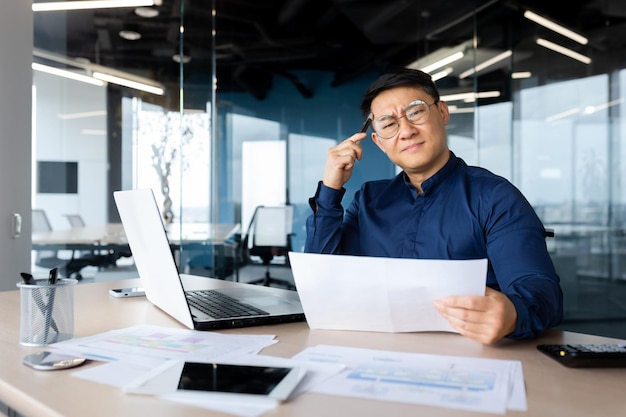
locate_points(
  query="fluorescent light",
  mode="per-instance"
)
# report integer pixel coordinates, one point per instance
(562, 115)
(67, 74)
(593, 109)
(470, 96)
(146, 12)
(555, 27)
(441, 57)
(443, 62)
(456, 110)
(99, 73)
(521, 74)
(486, 64)
(442, 74)
(129, 35)
(82, 115)
(92, 4)
(129, 83)
(563, 50)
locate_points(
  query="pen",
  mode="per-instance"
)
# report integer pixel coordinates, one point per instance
(52, 277)
(367, 123)
(29, 280)
(52, 280)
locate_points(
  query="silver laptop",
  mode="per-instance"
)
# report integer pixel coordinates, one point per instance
(153, 257)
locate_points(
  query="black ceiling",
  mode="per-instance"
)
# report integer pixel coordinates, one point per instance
(258, 40)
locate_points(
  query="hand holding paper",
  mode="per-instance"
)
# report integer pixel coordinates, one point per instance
(341, 292)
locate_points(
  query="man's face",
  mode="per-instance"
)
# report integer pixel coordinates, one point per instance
(422, 149)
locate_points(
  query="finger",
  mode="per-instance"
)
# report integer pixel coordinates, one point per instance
(348, 150)
(356, 138)
(480, 332)
(477, 303)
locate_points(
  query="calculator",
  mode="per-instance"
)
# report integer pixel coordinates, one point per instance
(587, 355)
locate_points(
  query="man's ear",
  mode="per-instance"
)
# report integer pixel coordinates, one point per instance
(378, 142)
(445, 112)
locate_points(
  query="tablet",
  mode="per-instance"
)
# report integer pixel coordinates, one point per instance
(220, 380)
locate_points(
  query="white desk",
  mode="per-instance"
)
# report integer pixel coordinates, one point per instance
(552, 389)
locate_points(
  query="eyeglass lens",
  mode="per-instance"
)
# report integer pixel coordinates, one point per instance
(416, 112)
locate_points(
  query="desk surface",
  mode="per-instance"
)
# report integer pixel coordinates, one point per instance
(552, 389)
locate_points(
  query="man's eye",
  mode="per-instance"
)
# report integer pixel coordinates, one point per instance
(390, 124)
(414, 114)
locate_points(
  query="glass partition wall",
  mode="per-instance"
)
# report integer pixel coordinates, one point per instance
(243, 129)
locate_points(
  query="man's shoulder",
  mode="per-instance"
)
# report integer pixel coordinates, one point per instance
(483, 175)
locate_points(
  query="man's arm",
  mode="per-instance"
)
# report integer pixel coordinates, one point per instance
(518, 254)
(527, 298)
(323, 226)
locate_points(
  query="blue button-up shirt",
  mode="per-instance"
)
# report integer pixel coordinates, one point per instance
(463, 212)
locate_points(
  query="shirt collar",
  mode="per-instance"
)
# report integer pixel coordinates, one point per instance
(438, 178)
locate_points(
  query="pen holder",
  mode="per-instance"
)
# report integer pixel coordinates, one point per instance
(46, 312)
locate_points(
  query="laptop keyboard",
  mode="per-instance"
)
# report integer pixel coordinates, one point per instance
(220, 306)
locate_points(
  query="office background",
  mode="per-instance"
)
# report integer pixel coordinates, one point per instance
(289, 79)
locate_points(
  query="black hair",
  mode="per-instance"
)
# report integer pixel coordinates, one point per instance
(403, 77)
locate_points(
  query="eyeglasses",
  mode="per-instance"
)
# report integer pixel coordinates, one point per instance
(416, 112)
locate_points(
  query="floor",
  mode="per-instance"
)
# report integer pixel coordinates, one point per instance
(591, 295)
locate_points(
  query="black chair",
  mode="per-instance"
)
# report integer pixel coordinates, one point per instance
(94, 257)
(269, 237)
(45, 258)
(50, 258)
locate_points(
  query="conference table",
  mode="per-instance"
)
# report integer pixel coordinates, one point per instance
(184, 238)
(552, 389)
(105, 234)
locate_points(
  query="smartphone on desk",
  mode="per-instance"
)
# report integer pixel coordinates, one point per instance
(127, 292)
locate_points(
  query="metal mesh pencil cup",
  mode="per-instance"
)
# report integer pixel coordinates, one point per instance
(46, 312)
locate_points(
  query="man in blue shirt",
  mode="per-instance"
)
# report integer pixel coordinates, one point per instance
(438, 208)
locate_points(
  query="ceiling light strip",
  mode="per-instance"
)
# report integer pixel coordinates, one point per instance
(129, 83)
(555, 27)
(486, 64)
(563, 50)
(92, 4)
(66, 74)
(82, 115)
(521, 74)
(443, 62)
(442, 74)
(470, 96)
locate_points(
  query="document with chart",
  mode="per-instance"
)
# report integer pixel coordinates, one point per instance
(474, 384)
(340, 292)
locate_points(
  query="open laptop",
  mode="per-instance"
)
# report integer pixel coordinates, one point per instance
(163, 284)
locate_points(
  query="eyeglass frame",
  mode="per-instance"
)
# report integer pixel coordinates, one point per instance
(397, 119)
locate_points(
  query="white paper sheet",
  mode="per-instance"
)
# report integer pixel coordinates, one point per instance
(146, 344)
(475, 384)
(132, 352)
(340, 292)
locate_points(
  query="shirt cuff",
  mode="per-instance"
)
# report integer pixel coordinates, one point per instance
(326, 197)
(523, 327)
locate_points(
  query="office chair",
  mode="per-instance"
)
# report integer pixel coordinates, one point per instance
(50, 258)
(45, 258)
(269, 236)
(75, 220)
(99, 259)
